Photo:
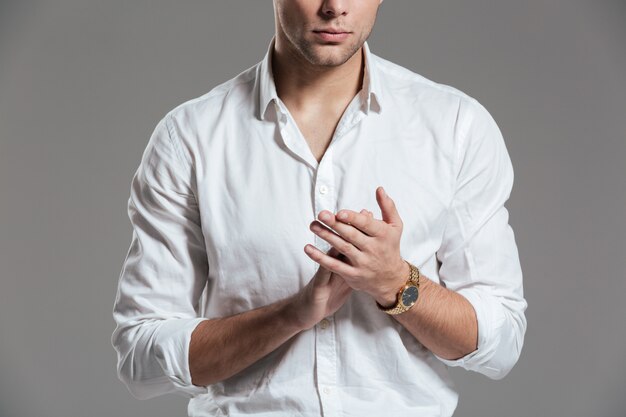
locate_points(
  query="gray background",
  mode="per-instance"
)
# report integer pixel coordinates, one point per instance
(83, 83)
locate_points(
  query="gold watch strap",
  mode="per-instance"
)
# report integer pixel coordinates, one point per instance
(399, 307)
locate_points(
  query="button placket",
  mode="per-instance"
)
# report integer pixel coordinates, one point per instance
(327, 366)
(326, 359)
(324, 195)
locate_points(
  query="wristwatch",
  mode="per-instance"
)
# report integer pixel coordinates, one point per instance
(407, 296)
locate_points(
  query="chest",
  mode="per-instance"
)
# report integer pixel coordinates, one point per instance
(318, 130)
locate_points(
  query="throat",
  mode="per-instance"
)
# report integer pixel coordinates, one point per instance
(318, 134)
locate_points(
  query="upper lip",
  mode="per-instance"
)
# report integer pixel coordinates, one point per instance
(331, 30)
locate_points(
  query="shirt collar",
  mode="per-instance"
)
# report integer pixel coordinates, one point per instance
(266, 88)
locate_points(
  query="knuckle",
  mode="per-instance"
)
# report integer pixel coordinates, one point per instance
(366, 246)
(346, 247)
(348, 235)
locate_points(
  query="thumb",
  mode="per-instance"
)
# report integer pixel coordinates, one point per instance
(387, 207)
(322, 276)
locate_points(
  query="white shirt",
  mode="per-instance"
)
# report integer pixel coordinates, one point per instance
(223, 198)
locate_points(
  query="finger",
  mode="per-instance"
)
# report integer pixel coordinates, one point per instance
(387, 207)
(328, 262)
(362, 221)
(336, 241)
(337, 280)
(349, 233)
(346, 289)
(340, 286)
(367, 213)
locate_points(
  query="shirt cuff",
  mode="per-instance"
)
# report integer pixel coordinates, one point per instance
(171, 347)
(490, 318)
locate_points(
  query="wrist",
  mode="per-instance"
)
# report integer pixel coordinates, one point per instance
(388, 296)
(293, 314)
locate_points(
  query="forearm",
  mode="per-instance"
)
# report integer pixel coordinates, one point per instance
(441, 320)
(221, 347)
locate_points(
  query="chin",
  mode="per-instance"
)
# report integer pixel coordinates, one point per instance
(329, 58)
(329, 61)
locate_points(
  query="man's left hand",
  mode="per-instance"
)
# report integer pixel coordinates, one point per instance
(370, 248)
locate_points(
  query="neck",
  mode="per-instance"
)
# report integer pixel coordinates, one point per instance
(303, 85)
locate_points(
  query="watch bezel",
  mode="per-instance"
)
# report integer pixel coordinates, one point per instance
(404, 289)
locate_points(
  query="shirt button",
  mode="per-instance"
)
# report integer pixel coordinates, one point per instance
(327, 390)
(323, 189)
(324, 323)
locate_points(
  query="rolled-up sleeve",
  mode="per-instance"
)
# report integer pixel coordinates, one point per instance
(478, 256)
(163, 275)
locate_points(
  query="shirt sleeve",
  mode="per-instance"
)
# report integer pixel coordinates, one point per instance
(163, 275)
(478, 256)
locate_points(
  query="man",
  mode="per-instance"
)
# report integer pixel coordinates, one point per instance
(246, 290)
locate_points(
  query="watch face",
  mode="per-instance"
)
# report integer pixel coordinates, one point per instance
(409, 295)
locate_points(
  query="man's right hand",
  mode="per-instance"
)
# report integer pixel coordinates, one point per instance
(322, 296)
(222, 347)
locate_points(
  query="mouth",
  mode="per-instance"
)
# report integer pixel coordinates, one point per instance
(332, 35)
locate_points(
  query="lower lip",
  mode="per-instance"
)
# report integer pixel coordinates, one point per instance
(332, 37)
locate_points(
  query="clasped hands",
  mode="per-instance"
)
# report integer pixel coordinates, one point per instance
(370, 248)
